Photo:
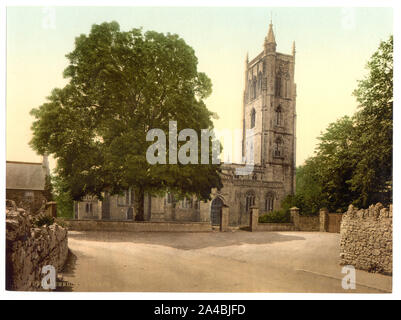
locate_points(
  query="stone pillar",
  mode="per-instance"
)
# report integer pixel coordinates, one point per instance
(254, 218)
(51, 209)
(225, 211)
(294, 213)
(324, 219)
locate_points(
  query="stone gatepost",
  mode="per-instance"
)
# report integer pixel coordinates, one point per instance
(254, 218)
(51, 209)
(324, 219)
(225, 212)
(294, 213)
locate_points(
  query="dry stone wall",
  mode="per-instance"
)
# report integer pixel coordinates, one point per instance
(367, 238)
(29, 248)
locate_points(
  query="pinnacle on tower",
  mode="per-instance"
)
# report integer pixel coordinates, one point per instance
(270, 40)
(270, 35)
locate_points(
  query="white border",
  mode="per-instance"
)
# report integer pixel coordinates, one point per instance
(202, 296)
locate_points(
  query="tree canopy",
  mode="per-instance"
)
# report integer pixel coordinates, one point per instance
(353, 161)
(121, 85)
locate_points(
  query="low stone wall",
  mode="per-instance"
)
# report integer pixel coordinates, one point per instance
(367, 239)
(298, 223)
(28, 249)
(275, 227)
(308, 223)
(304, 223)
(135, 226)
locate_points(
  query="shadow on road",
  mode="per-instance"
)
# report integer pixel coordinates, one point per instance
(68, 270)
(186, 241)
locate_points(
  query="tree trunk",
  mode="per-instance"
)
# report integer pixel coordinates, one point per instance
(139, 201)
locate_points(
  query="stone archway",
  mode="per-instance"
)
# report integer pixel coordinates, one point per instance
(215, 211)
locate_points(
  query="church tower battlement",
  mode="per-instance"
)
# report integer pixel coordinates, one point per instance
(269, 113)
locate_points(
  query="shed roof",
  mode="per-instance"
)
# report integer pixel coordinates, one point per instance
(25, 175)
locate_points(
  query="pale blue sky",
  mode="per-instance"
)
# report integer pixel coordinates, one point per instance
(333, 46)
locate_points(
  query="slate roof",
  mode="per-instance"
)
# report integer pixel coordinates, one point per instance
(25, 175)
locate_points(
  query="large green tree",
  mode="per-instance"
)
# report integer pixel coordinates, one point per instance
(353, 160)
(323, 180)
(62, 196)
(121, 85)
(372, 148)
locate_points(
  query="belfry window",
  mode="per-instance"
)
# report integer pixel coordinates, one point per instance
(278, 86)
(253, 118)
(260, 82)
(254, 88)
(278, 148)
(278, 116)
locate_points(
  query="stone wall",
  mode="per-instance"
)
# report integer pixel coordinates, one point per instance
(29, 200)
(136, 226)
(304, 223)
(308, 223)
(366, 238)
(29, 248)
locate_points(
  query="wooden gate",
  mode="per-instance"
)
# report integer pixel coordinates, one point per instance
(215, 211)
(334, 222)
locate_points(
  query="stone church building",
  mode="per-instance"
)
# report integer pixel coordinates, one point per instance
(268, 143)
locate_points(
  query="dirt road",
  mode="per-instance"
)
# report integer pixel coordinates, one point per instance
(211, 262)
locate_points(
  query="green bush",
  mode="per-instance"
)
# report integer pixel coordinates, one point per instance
(279, 216)
(43, 220)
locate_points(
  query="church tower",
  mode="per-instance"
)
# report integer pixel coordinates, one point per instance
(269, 113)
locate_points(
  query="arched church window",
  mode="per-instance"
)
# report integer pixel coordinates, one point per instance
(169, 197)
(88, 208)
(249, 201)
(269, 202)
(278, 116)
(253, 118)
(278, 147)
